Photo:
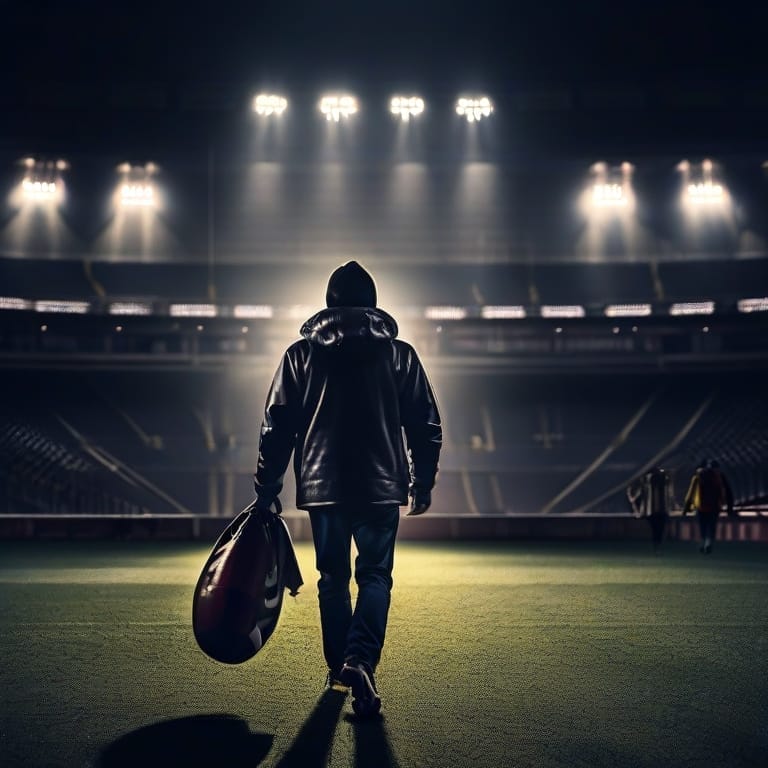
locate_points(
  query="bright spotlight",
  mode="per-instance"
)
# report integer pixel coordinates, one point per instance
(474, 109)
(406, 107)
(42, 182)
(608, 195)
(682, 308)
(628, 310)
(562, 310)
(701, 190)
(753, 305)
(39, 190)
(705, 193)
(267, 104)
(137, 195)
(137, 190)
(336, 107)
(445, 313)
(611, 190)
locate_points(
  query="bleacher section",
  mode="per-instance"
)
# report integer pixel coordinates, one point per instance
(183, 442)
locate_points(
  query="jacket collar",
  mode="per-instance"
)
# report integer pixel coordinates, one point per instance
(331, 326)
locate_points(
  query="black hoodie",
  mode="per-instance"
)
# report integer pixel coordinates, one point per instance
(341, 399)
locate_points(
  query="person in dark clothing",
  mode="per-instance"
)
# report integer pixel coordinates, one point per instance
(341, 399)
(649, 498)
(708, 493)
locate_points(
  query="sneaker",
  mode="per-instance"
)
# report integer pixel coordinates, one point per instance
(333, 682)
(365, 698)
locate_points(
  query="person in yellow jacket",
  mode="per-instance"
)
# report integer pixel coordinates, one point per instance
(708, 493)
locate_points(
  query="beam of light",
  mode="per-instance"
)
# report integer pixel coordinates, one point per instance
(692, 308)
(473, 110)
(562, 310)
(253, 311)
(752, 305)
(130, 308)
(268, 104)
(336, 107)
(511, 312)
(406, 107)
(193, 310)
(445, 313)
(63, 307)
(10, 302)
(628, 310)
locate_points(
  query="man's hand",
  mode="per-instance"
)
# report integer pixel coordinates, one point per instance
(420, 502)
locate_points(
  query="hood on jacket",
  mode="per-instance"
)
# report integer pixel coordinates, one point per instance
(350, 286)
(331, 326)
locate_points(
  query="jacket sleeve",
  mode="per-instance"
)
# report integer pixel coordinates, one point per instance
(278, 431)
(690, 497)
(420, 418)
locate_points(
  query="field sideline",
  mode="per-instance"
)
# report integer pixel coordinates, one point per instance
(506, 654)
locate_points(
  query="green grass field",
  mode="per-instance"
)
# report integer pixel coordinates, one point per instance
(506, 654)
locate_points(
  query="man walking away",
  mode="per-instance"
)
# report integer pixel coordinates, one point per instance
(341, 399)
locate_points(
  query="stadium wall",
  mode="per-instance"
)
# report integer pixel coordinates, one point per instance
(442, 527)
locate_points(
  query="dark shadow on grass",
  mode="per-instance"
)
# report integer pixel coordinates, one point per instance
(372, 747)
(312, 745)
(202, 741)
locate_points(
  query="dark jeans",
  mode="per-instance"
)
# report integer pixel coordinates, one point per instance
(708, 525)
(357, 634)
(658, 525)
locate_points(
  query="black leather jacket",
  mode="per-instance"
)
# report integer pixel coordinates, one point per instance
(341, 399)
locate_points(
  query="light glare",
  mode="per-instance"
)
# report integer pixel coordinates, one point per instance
(253, 311)
(503, 312)
(64, 307)
(445, 313)
(130, 308)
(474, 109)
(406, 107)
(336, 107)
(692, 308)
(753, 305)
(562, 310)
(267, 104)
(9, 302)
(628, 310)
(193, 310)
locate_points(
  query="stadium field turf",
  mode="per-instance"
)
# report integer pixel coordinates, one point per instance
(498, 655)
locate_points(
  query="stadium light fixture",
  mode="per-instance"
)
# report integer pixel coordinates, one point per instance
(253, 311)
(445, 313)
(336, 107)
(406, 107)
(11, 302)
(193, 310)
(63, 307)
(628, 310)
(269, 104)
(562, 310)
(692, 308)
(475, 109)
(137, 190)
(752, 305)
(611, 190)
(499, 312)
(702, 191)
(42, 183)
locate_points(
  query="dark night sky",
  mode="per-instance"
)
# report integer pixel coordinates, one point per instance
(426, 42)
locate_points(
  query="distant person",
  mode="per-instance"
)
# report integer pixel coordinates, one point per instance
(649, 499)
(708, 493)
(341, 400)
